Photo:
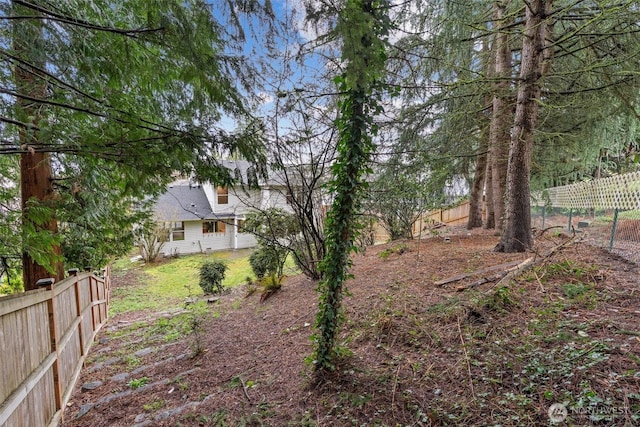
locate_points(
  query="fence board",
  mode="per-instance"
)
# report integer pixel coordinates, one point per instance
(44, 335)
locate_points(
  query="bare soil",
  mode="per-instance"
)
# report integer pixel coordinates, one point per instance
(566, 331)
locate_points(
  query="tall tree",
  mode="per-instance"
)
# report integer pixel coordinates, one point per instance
(36, 176)
(117, 95)
(362, 26)
(443, 121)
(478, 196)
(501, 120)
(536, 55)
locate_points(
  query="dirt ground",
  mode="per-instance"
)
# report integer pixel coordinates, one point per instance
(564, 332)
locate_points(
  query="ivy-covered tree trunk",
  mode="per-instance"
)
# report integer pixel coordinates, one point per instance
(36, 178)
(517, 236)
(361, 25)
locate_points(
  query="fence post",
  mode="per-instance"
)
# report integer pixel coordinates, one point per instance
(570, 216)
(76, 287)
(613, 228)
(544, 212)
(53, 334)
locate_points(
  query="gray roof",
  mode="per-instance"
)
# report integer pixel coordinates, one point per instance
(183, 202)
(245, 172)
(187, 201)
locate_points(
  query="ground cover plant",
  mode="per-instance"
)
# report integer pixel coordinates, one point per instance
(564, 334)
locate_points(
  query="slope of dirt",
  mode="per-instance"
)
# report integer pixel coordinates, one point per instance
(566, 332)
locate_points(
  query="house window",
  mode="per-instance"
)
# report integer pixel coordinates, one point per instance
(223, 195)
(175, 230)
(213, 227)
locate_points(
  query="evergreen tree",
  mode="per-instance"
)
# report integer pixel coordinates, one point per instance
(115, 96)
(362, 26)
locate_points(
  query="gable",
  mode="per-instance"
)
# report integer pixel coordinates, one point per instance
(183, 202)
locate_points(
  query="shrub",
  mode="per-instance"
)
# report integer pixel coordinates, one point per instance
(270, 284)
(212, 274)
(264, 261)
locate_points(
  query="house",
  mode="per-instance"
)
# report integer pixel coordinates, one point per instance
(202, 217)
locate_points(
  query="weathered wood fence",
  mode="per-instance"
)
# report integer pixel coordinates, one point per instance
(45, 335)
(456, 215)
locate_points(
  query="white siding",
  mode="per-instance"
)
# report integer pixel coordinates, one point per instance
(275, 197)
(192, 234)
(246, 241)
(195, 241)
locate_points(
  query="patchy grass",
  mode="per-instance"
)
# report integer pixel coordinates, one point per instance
(167, 284)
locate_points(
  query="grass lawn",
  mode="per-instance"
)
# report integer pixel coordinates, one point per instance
(166, 285)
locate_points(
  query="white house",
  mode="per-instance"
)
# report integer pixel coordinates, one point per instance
(203, 217)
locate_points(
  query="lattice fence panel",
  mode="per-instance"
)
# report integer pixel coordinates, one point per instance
(615, 192)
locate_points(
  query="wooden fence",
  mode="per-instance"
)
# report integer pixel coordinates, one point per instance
(457, 215)
(45, 335)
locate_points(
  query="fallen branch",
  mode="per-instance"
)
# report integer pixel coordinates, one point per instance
(502, 276)
(244, 388)
(518, 269)
(475, 273)
(531, 262)
(509, 274)
(482, 281)
(466, 357)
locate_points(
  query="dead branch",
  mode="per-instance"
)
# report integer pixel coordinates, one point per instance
(544, 230)
(533, 261)
(499, 276)
(475, 273)
(506, 276)
(244, 388)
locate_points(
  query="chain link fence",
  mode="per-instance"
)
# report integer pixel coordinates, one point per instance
(605, 212)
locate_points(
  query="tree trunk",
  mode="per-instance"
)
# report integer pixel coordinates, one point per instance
(36, 183)
(477, 189)
(490, 221)
(500, 129)
(517, 236)
(476, 198)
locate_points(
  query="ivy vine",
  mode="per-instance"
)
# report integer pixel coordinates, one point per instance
(363, 26)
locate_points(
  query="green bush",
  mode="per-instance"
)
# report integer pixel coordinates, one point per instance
(212, 274)
(264, 261)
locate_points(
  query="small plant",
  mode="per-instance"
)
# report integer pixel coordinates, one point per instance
(138, 382)
(250, 286)
(132, 361)
(573, 290)
(270, 286)
(182, 384)
(500, 300)
(212, 274)
(153, 406)
(397, 249)
(198, 313)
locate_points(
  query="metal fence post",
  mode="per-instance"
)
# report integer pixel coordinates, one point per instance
(613, 228)
(569, 225)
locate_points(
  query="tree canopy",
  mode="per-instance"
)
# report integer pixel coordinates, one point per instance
(117, 96)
